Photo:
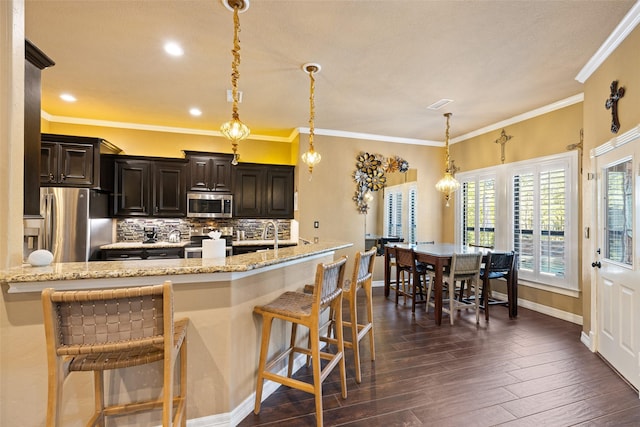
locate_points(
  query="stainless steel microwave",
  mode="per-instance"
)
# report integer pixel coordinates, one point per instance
(209, 205)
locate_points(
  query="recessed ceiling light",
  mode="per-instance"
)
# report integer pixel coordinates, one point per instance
(439, 104)
(173, 49)
(68, 97)
(195, 112)
(230, 95)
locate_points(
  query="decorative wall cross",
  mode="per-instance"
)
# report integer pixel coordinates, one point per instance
(612, 104)
(502, 140)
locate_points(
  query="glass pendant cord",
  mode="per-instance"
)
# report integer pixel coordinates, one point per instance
(311, 157)
(448, 184)
(235, 130)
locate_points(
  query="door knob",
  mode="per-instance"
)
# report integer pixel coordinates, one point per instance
(596, 264)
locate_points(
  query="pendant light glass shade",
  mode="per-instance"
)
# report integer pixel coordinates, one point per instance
(447, 184)
(311, 157)
(234, 130)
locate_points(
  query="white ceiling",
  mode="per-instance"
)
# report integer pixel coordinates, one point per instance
(383, 62)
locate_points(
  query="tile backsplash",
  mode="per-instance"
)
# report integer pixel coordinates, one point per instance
(132, 229)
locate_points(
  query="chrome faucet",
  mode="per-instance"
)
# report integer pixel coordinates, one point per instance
(275, 233)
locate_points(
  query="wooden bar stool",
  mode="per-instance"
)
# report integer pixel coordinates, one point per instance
(111, 329)
(304, 309)
(361, 279)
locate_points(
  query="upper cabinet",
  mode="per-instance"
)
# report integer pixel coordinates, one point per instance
(145, 187)
(36, 61)
(209, 171)
(263, 191)
(72, 161)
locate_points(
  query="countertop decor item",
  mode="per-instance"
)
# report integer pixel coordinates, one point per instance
(234, 130)
(40, 258)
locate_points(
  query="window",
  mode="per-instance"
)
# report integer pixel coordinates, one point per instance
(479, 211)
(529, 207)
(393, 212)
(619, 213)
(400, 211)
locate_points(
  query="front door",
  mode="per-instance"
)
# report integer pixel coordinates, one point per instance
(617, 267)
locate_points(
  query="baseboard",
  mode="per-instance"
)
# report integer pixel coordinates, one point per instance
(544, 309)
(587, 340)
(240, 412)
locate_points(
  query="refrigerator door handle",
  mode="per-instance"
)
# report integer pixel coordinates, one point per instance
(48, 222)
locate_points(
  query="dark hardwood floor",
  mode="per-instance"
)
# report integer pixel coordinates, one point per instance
(530, 371)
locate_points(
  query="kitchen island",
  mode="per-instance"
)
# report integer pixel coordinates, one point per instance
(218, 295)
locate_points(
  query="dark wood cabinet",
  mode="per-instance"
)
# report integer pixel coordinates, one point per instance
(36, 61)
(144, 187)
(69, 164)
(263, 191)
(209, 172)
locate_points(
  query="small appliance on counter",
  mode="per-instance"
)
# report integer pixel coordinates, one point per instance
(150, 235)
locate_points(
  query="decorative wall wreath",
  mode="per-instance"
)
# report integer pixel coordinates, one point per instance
(370, 175)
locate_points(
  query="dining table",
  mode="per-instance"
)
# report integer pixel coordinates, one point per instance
(439, 256)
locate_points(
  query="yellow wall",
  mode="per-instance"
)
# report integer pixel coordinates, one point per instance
(170, 144)
(622, 65)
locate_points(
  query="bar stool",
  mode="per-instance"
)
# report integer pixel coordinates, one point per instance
(304, 309)
(111, 329)
(361, 279)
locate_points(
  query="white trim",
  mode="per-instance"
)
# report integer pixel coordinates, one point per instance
(624, 28)
(615, 142)
(588, 340)
(326, 132)
(545, 309)
(573, 293)
(245, 408)
(372, 137)
(563, 103)
(155, 128)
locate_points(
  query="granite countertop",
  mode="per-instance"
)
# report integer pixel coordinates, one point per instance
(140, 245)
(164, 267)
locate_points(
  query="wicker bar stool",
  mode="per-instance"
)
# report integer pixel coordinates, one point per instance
(110, 329)
(361, 279)
(304, 309)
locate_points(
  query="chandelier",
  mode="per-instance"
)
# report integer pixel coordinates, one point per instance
(311, 157)
(234, 130)
(447, 183)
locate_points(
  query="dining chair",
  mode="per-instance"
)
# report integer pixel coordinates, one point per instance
(101, 330)
(463, 268)
(407, 269)
(300, 308)
(499, 265)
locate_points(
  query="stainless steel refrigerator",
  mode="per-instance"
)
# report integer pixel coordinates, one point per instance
(75, 223)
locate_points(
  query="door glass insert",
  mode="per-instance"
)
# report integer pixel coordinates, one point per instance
(619, 212)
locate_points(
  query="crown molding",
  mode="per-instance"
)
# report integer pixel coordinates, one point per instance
(325, 132)
(522, 117)
(155, 128)
(371, 137)
(624, 28)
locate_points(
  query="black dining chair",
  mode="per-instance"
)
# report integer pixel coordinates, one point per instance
(499, 265)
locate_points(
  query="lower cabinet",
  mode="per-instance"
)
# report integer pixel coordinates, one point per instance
(263, 191)
(146, 187)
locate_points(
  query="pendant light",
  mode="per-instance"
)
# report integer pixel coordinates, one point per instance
(234, 130)
(448, 184)
(311, 157)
